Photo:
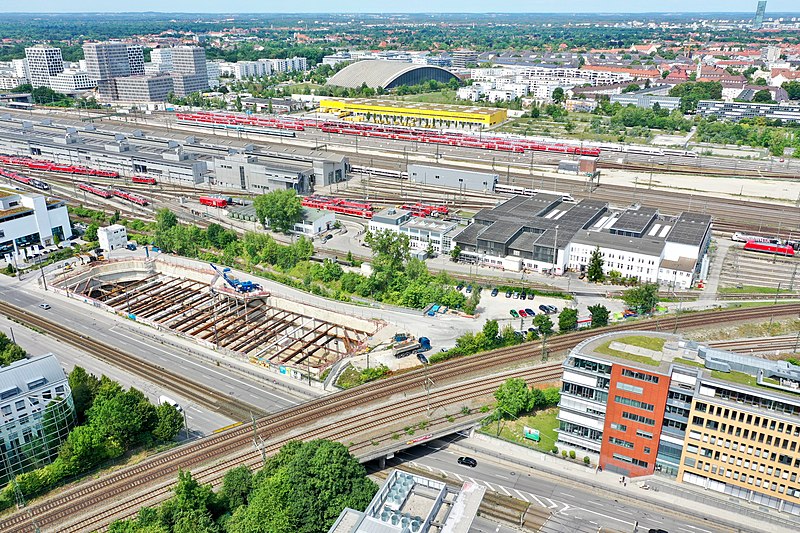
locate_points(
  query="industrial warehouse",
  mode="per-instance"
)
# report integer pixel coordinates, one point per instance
(413, 113)
(218, 310)
(128, 151)
(545, 233)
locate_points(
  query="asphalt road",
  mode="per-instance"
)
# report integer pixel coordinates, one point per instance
(574, 509)
(200, 420)
(83, 318)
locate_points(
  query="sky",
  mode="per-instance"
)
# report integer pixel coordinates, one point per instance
(406, 6)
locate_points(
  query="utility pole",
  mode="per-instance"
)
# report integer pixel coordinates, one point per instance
(772, 316)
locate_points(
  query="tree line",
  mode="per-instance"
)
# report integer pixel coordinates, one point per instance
(302, 489)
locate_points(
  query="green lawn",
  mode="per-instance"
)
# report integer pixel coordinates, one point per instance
(749, 289)
(545, 421)
(445, 96)
(642, 341)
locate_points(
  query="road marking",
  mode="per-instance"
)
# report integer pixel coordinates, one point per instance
(521, 495)
(537, 500)
(444, 473)
(552, 502)
(504, 490)
(623, 512)
(698, 528)
(565, 494)
(604, 515)
(490, 486)
(459, 477)
(501, 477)
(601, 504)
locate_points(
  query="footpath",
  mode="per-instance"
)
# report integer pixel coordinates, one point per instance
(664, 494)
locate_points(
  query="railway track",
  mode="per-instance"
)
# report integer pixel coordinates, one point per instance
(209, 398)
(783, 343)
(331, 409)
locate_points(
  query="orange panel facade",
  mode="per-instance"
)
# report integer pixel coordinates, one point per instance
(634, 414)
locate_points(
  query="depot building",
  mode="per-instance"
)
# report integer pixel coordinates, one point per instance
(413, 114)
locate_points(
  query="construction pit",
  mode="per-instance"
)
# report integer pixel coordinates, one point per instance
(192, 300)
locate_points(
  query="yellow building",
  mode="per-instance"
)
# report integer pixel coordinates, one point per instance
(413, 113)
(743, 442)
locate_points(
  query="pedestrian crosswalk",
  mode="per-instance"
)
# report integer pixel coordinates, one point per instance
(554, 507)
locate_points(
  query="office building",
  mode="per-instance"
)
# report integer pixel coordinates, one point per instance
(190, 73)
(736, 111)
(683, 410)
(136, 59)
(645, 99)
(189, 60)
(422, 232)
(108, 60)
(464, 58)
(134, 89)
(27, 219)
(71, 81)
(213, 70)
(411, 503)
(160, 61)
(113, 237)
(43, 62)
(758, 21)
(28, 389)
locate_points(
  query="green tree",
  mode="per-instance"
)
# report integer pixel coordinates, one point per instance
(558, 95)
(595, 271)
(642, 299)
(455, 253)
(632, 87)
(599, 315)
(472, 302)
(165, 219)
(552, 395)
(513, 397)
(84, 387)
(303, 489)
(491, 329)
(543, 323)
(792, 89)
(169, 422)
(763, 97)
(90, 235)
(568, 320)
(282, 208)
(238, 103)
(236, 486)
(11, 353)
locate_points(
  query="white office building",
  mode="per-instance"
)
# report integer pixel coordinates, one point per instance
(43, 62)
(27, 219)
(28, 388)
(112, 237)
(71, 81)
(315, 221)
(422, 232)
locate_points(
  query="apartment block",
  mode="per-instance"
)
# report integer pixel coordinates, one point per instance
(662, 411)
(43, 62)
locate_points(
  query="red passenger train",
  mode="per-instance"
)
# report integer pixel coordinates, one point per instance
(31, 182)
(99, 191)
(130, 197)
(143, 180)
(770, 248)
(339, 205)
(49, 166)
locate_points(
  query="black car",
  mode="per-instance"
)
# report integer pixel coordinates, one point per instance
(531, 295)
(552, 309)
(468, 461)
(469, 289)
(459, 286)
(494, 292)
(523, 294)
(543, 308)
(508, 294)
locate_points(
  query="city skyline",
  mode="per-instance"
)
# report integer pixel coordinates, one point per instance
(412, 6)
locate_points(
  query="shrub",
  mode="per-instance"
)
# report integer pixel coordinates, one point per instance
(554, 449)
(572, 454)
(564, 454)
(586, 460)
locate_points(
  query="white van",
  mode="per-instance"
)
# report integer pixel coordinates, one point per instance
(170, 401)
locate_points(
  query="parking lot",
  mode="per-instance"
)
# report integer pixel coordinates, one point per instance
(499, 307)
